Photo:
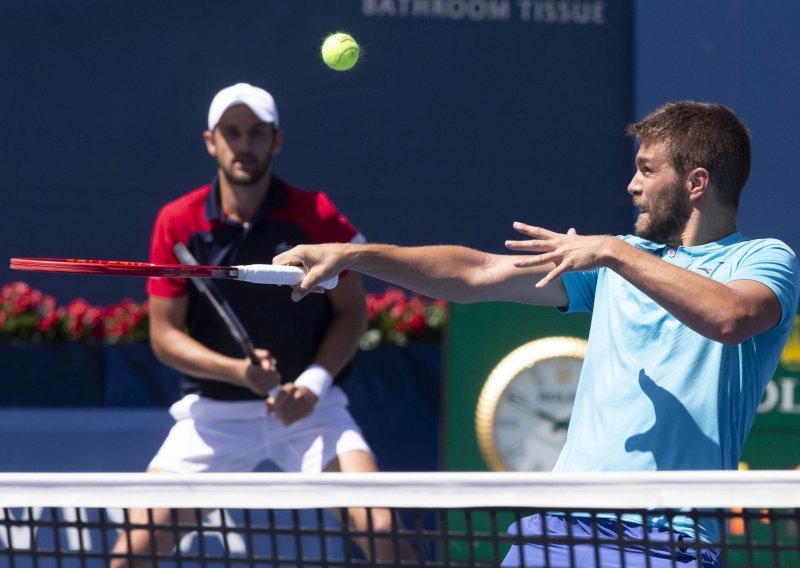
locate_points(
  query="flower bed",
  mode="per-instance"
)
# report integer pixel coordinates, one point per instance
(28, 315)
(396, 319)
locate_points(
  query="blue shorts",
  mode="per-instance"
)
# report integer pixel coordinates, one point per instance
(532, 554)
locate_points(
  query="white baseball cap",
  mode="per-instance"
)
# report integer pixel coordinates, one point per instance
(258, 100)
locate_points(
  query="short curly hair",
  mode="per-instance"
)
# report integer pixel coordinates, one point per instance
(706, 135)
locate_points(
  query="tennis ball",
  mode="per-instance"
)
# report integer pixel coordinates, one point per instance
(340, 51)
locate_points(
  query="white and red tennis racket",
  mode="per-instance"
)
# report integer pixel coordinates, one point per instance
(255, 273)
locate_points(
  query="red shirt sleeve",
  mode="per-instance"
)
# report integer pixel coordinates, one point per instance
(161, 243)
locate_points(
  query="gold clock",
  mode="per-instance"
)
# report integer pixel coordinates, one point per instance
(524, 407)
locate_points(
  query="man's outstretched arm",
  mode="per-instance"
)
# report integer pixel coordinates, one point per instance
(452, 273)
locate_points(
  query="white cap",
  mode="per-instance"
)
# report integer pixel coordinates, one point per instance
(258, 100)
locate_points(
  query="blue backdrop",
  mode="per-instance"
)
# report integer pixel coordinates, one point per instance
(463, 116)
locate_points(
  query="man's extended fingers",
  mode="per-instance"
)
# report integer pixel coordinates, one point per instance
(552, 275)
(532, 231)
(288, 258)
(535, 260)
(518, 244)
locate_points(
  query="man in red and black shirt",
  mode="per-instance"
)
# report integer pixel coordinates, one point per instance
(289, 409)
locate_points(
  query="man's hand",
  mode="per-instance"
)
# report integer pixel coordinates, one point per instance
(261, 379)
(320, 262)
(291, 403)
(569, 251)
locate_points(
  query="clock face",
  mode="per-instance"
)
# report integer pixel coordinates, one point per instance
(526, 404)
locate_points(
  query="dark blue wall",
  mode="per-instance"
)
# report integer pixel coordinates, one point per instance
(456, 123)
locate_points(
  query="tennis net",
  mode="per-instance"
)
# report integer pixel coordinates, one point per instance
(747, 519)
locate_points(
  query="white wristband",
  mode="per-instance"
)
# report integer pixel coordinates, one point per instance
(315, 378)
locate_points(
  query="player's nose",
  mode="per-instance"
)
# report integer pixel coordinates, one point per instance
(635, 186)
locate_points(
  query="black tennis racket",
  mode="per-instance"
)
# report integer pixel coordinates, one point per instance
(213, 294)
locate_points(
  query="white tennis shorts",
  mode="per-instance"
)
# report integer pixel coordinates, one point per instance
(219, 436)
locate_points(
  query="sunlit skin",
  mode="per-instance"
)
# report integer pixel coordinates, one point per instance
(661, 196)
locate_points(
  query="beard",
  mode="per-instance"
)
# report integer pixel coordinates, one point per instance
(664, 220)
(248, 177)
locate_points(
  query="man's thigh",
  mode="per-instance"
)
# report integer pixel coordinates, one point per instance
(322, 439)
(203, 439)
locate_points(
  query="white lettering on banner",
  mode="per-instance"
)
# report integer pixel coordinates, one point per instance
(788, 404)
(780, 395)
(770, 398)
(580, 12)
(563, 12)
(475, 10)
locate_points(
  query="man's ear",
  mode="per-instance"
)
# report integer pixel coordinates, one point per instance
(211, 147)
(277, 143)
(698, 182)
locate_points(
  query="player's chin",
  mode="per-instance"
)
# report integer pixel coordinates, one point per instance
(642, 224)
(243, 177)
(246, 174)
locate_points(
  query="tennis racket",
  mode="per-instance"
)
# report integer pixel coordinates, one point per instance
(255, 273)
(213, 294)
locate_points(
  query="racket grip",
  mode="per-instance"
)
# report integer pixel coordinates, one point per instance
(277, 274)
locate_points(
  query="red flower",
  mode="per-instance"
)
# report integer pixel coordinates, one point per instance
(417, 323)
(48, 321)
(77, 308)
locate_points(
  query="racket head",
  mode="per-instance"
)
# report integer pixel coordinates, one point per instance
(120, 268)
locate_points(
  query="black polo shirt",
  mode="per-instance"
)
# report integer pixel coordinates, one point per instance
(291, 331)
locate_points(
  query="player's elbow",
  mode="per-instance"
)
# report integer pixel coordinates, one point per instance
(462, 291)
(731, 336)
(159, 350)
(163, 342)
(735, 328)
(475, 283)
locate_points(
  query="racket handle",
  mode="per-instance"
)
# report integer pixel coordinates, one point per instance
(277, 274)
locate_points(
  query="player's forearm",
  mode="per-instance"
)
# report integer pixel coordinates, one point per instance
(179, 351)
(341, 341)
(708, 307)
(450, 273)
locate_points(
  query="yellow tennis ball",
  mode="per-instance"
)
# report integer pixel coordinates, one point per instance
(340, 51)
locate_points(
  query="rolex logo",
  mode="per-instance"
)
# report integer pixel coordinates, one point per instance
(790, 358)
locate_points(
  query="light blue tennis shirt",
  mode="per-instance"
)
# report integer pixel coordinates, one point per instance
(656, 395)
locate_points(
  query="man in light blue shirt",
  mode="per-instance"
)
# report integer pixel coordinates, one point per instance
(689, 319)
